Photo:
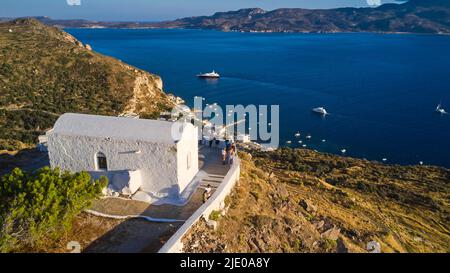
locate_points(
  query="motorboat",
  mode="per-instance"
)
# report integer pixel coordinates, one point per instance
(210, 75)
(320, 110)
(440, 110)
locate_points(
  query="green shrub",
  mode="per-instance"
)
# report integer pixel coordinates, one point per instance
(255, 194)
(42, 204)
(329, 245)
(215, 215)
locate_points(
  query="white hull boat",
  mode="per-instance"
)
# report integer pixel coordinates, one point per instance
(211, 75)
(440, 110)
(320, 110)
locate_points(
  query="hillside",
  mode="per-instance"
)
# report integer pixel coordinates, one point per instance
(302, 201)
(415, 16)
(45, 72)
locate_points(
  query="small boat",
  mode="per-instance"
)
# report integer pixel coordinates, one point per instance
(308, 137)
(210, 75)
(324, 140)
(300, 142)
(384, 159)
(288, 142)
(304, 145)
(343, 151)
(320, 110)
(297, 134)
(440, 110)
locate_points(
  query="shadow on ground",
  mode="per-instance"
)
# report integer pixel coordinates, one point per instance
(26, 159)
(134, 236)
(138, 235)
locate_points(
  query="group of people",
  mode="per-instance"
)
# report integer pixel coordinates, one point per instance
(211, 141)
(228, 153)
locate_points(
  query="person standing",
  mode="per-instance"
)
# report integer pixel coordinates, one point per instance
(207, 193)
(224, 155)
(232, 153)
(230, 157)
(227, 145)
(233, 148)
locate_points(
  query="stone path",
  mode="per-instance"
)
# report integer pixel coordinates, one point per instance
(136, 235)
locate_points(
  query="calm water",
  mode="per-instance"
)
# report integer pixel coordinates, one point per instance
(381, 90)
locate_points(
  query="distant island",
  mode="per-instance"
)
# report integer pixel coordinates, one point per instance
(414, 16)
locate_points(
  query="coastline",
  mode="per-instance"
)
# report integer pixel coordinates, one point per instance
(261, 31)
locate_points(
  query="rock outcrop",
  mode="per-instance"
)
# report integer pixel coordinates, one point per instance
(401, 209)
(49, 72)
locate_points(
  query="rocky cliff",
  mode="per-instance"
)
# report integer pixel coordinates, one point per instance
(45, 72)
(297, 200)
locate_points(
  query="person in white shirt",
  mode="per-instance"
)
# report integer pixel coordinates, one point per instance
(207, 193)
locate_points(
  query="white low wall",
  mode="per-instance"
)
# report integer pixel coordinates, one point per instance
(215, 203)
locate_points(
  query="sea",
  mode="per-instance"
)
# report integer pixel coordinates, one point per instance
(381, 90)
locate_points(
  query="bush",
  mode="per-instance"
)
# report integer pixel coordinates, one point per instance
(42, 205)
(329, 245)
(215, 215)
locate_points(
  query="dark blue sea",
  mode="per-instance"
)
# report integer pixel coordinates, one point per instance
(381, 90)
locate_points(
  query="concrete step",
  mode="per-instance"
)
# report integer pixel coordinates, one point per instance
(211, 182)
(206, 183)
(216, 175)
(213, 179)
(216, 171)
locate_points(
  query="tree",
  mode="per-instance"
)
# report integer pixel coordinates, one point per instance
(42, 204)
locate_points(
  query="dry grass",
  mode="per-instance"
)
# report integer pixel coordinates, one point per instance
(86, 229)
(405, 209)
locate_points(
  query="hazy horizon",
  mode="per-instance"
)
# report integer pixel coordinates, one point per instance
(156, 10)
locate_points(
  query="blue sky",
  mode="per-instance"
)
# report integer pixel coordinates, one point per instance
(153, 10)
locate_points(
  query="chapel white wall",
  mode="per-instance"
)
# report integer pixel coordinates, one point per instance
(187, 145)
(158, 162)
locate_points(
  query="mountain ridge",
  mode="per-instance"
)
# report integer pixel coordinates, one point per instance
(414, 16)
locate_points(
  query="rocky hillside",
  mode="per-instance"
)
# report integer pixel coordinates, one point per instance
(415, 16)
(45, 72)
(302, 201)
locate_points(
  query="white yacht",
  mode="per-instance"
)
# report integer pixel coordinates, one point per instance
(320, 110)
(441, 110)
(210, 75)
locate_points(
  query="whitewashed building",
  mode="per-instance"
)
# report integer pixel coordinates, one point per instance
(156, 158)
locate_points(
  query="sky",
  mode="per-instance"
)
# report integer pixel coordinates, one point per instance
(155, 10)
